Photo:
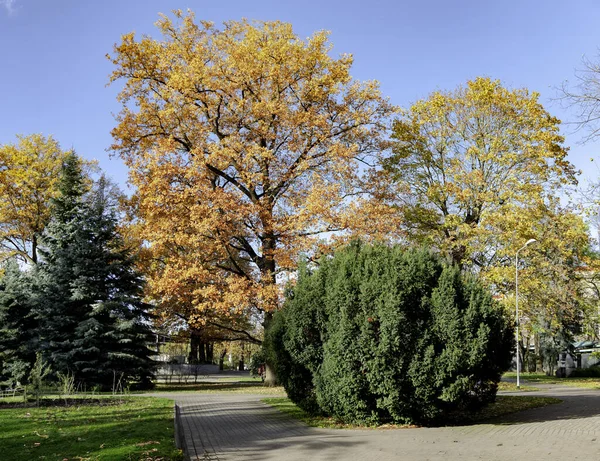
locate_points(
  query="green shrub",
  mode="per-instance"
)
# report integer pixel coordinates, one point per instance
(257, 360)
(591, 372)
(291, 373)
(37, 377)
(381, 334)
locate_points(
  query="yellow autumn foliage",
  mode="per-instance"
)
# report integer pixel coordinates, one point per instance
(246, 145)
(478, 171)
(29, 171)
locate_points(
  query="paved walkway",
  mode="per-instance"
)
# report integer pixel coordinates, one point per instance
(240, 427)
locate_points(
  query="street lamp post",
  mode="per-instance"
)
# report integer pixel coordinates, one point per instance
(530, 241)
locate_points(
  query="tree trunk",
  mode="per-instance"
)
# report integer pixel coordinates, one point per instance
(457, 255)
(270, 377)
(221, 359)
(268, 277)
(34, 246)
(241, 361)
(201, 352)
(195, 343)
(209, 353)
(539, 364)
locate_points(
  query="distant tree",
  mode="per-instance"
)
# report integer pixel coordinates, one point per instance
(466, 161)
(93, 321)
(476, 172)
(29, 172)
(584, 96)
(556, 275)
(18, 325)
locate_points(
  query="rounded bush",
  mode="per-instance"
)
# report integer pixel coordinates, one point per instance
(379, 334)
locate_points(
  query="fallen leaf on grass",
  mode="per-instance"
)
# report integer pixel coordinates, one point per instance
(150, 442)
(44, 436)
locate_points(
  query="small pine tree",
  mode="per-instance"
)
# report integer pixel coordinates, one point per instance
(37, 377)
(94, 322)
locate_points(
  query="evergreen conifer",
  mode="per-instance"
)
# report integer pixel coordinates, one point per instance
(18, 325)
(94, 323)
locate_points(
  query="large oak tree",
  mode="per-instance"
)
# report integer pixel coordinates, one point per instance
(245, 144)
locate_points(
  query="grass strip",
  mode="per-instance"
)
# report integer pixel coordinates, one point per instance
(541, 378)
(512, 387)
(285, 405)
(256, 387)
(504, 405)
(105, 429)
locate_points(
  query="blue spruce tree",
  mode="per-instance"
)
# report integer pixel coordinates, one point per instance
(93, 322)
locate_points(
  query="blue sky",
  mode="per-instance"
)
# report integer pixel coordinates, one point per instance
(53, 69)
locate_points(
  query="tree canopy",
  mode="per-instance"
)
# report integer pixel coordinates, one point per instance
(478, 171)
(467, 160)
(29, 172)
(245, 144)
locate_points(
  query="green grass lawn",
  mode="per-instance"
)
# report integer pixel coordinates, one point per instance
(512, 387)
(541, 378)
(507, 404)
(211, 379)
(504, 405)
(241, 379)
(236, 387)
(108, 429)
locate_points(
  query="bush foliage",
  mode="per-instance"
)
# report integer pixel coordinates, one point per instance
(380, 334)
(591, 372)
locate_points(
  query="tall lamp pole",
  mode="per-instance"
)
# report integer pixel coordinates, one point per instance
(530, 241)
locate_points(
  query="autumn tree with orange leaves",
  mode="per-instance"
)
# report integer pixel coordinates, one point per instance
(29, 172)
(246, 145)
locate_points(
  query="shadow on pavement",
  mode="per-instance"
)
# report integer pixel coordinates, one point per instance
(577, 404)
(253, 429)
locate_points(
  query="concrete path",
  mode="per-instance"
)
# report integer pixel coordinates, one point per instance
(240, 427)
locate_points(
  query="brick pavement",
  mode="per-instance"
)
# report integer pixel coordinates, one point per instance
(240, 427)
